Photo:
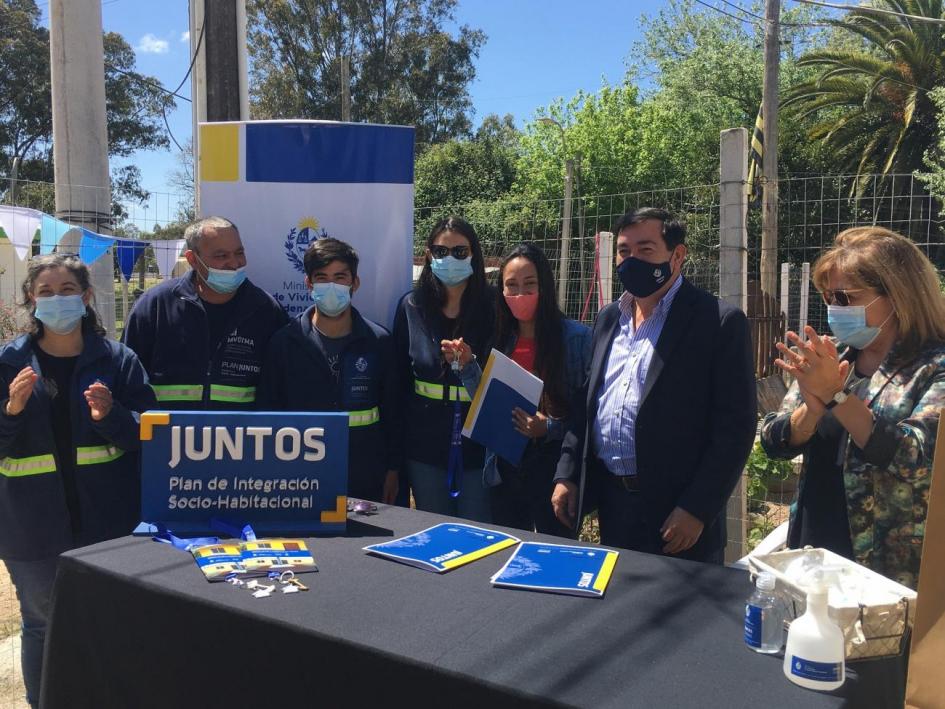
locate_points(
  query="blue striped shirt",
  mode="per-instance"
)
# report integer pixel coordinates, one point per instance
(618, 399)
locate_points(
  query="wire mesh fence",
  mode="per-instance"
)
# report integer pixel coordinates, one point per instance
(502, 225)
(812, 211)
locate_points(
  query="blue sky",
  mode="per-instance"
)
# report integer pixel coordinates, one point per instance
(536, 50)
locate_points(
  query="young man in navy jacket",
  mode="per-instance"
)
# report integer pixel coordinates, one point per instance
(332, 359)
(201, 337)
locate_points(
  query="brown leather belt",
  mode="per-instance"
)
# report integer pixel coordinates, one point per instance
(630, 483)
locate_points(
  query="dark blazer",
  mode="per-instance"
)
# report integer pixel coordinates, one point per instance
(697, 416)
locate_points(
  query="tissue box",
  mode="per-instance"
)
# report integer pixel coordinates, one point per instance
(873, 626)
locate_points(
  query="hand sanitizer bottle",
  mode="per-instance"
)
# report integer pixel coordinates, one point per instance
(814, 657)
(764, 619)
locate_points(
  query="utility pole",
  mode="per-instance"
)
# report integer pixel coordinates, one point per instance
(219, 83)
(345, 89)
(564, 265)
(221, 53)
(14, 173)
(564, 262)
(80, 134)
(769, 214)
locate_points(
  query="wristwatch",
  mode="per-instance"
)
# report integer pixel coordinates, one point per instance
(838, 398)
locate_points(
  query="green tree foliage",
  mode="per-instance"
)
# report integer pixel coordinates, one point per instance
(601, 131)
(134, 105)
(872, 102)
(405, 68)
(460, 171)
(934, 178)
(708, 69)
(472, 177)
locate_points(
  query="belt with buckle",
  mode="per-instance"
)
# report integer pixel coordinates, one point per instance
(630, 483)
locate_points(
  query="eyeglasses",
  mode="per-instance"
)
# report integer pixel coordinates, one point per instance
(440, 251)
(839, 296)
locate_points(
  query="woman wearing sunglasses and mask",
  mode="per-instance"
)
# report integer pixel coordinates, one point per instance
(70, 401)
(864, 406)
(532, 330)
(451, 301)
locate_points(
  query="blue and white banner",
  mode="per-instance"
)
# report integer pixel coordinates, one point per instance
(281, 473)
(287, 183)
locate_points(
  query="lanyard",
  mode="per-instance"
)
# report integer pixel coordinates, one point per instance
(454, 471)
(165, 536)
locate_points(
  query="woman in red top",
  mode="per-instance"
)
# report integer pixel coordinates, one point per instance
(532, 330)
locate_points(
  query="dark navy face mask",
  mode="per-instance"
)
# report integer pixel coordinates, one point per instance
(642, 278)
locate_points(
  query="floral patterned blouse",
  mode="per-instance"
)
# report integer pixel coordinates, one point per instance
(887, 481)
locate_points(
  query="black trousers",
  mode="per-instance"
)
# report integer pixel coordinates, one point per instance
(625, 519)
(523, 499)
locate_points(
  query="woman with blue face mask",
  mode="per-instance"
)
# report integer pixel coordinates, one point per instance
(451, 301)
(70, 401)
(864, 405)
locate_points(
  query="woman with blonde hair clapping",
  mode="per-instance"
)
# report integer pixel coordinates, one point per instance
(864, 407)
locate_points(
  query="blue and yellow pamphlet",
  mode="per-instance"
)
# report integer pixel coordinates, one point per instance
(253, 558)
(444, 546)
(558, 568)
(217, 561)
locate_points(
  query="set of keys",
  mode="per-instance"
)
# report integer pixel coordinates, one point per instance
(286, 582)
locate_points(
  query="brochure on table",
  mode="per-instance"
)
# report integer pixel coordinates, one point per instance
(253, 558)
(504, 386)
(443, 546)
(558, 568)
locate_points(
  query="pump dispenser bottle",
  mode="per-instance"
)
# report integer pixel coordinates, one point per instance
(814, 655)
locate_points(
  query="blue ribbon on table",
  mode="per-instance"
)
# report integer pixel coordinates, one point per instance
(454, 469)
(245, 532)
(165, 536)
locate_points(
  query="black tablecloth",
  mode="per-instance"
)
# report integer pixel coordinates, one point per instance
(135, 625)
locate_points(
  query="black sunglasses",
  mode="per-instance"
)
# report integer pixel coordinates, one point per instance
(839, 297)
(459, 252)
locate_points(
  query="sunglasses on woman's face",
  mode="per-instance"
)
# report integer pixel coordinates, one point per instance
(459, 252)
(839, 296)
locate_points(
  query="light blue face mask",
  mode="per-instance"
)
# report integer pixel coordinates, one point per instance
(223, 281)
(331, 299)
(451, 271)
(848, 324)
(60, 313)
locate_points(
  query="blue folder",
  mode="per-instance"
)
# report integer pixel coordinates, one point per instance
(494, 428)
(444, 546)
(558, 568)
(504, 386)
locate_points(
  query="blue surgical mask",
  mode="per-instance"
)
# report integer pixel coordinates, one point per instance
(223, 281)
(60, 313)
(451, 271)
(331, 299)
(848, 324)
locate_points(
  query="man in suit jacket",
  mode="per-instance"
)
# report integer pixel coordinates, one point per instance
(669, 415)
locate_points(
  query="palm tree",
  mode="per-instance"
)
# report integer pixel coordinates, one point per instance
(871, 104)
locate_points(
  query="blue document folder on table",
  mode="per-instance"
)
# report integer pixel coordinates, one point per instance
(504, 386)
(558, 568)
(444, 546)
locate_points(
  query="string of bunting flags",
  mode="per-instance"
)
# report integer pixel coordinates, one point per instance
(20, 225)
